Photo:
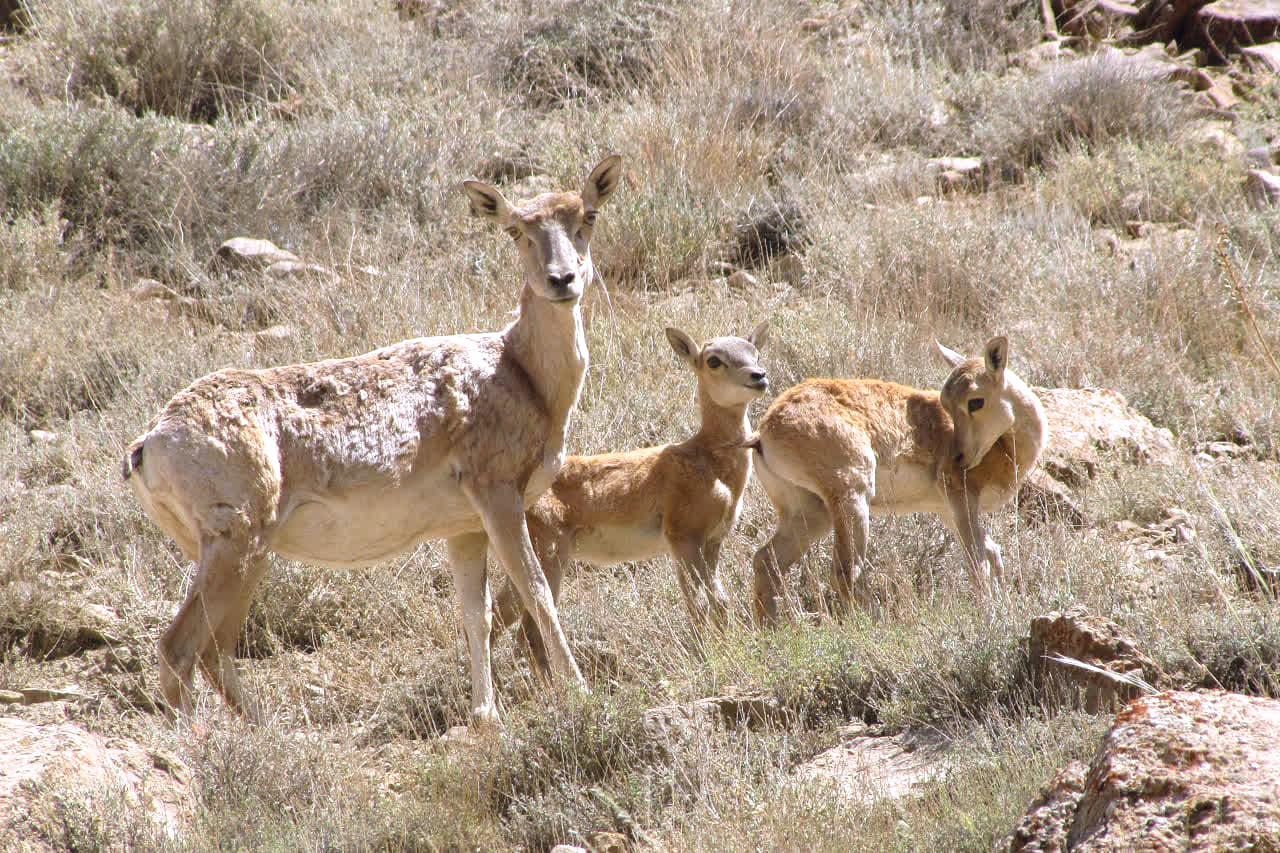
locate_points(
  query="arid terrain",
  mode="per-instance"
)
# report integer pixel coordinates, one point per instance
(868, 176)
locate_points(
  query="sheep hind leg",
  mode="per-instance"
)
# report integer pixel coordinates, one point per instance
(850, 516)
(804, 521)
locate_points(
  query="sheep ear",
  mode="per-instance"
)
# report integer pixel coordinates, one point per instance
(488, 202)
(602, 181)
(684, 345)
(950, 356)
(996, 353)
(760, 336)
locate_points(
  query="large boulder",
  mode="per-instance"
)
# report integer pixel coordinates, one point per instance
(1087, 428)
(1177, 771)
(47, 769)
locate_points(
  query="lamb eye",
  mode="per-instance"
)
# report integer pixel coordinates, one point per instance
(975, 405)
(714, 362)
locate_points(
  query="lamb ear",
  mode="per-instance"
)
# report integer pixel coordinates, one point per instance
(602, 181)
(996, 353)
(488, 202)
(684, 345)
(760, 336)
(950, 356)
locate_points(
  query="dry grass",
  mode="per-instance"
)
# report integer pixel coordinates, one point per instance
(747, 139)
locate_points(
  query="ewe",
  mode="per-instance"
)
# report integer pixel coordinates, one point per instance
(351, 461)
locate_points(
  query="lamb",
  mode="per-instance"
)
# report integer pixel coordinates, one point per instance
(680, 499)
(831, 451)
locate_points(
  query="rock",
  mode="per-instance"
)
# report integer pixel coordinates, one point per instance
(1216, 451)
(1086, 427)
(1152, 64)
(149, 288)
(1262, 157)
(1161, 21)
(274, 336)
(240, 253)
(1098, 19)
(1262, 58)
(295, 268)
(1218, 138)
(1037, 58)
(1225, 26)
(1262, 188)
(676, 725)
(505, 166)
(1176, 771)
(1045, 826)
(46, 768)
(42, 436)
(868, 767)
(957, 173)
(608, 842)
(1044, 500)
(1113, 666)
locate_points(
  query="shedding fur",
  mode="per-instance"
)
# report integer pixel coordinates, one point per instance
(830, 452)
(352, 461)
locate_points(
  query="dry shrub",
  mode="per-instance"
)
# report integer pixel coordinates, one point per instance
(935, 264)
(1022, 122)
(103, 169)
(194, 61)
(31, 249)
(962, 35)
(39, 386)
(567, 776)
(583, 49)
(1152, 181)
(778, 229)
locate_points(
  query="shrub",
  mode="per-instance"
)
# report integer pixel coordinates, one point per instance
(104, 171)
(583, 48)
(194, 61)
(963, 34)
(1083, 104)
(31, 248)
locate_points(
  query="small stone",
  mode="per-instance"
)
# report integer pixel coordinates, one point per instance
(249, 252)
(295, 268)
(1262, 188)
(275, 335)
(1263, 58)
(42, 436)
(149, 288)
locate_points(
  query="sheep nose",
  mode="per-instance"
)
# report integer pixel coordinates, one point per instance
(562, 280)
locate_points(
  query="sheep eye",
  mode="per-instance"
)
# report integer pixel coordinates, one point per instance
(714, 362)
(975, 405)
